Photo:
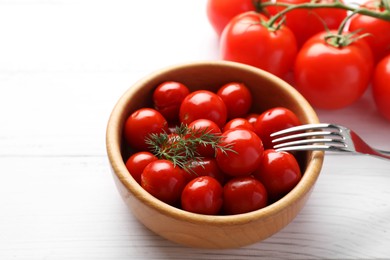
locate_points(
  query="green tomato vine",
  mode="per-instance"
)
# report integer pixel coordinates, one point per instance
(337, 40)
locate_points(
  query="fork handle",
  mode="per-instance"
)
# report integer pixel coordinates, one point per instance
(383, 152)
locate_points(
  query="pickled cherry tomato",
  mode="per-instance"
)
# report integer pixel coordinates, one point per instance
(203, 195)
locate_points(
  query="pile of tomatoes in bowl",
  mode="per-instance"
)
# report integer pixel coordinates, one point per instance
(331, 52)
(206, 153)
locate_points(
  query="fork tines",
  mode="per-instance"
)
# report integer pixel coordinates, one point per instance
(309, 137)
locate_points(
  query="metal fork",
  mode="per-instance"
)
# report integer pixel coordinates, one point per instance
(324, 137)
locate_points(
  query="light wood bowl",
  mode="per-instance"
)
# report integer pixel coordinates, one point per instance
(196, 230)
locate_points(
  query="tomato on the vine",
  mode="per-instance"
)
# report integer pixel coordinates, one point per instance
(140, 124)
(279, 172)
(220, 12)
(381, 87)
(331, 77)
(305, 22)
(137, 162)
(378, 30)
(203, 195)
(244, 156)
(250, 40)
(203, 104)
(165, 181)
(237, 97)
(244, 194)
(273, 120)
(167, 98)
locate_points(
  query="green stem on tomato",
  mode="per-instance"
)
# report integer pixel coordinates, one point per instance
(341, 39)
(386, 5)
(338, 39)
(384, 15)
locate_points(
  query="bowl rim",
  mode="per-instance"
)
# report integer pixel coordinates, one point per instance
(113, 148)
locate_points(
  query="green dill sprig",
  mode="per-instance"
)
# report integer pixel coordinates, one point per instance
(181, 146)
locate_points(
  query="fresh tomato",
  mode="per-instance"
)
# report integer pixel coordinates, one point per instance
(244, 155)
(205, 167)
(164, 180)
(381, 87)
(279, 172)
(220, 12)
(243, 194)
(137, 162)
(378, 30)
(237, 98)
(203, 104)
(252, 118)
(167, 98)
(238, 123)
(203, 126)
(140, 124)
(247, 39)
(203, 195)
(273, 120)
(332, 77)
(304, 22)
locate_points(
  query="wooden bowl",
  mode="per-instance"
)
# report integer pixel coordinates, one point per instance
(203, 231)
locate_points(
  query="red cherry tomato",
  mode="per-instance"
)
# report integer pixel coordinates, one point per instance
(381, 87)
(243, 194)
(378, 30)
(167, 98)
(279, 172)
(163, 180)
(237, 98)
(220, 12)
(137, 162)
(238, 123)
(252, 118)
(206, 167)
(205, 126)
(247, 40)
(333, 77)
(203, 104)
(245, 154)
(140, 124)
(202, 195)
(305, 23)
(273, 120)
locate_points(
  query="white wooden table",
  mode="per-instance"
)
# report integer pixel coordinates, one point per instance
(64, 64)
